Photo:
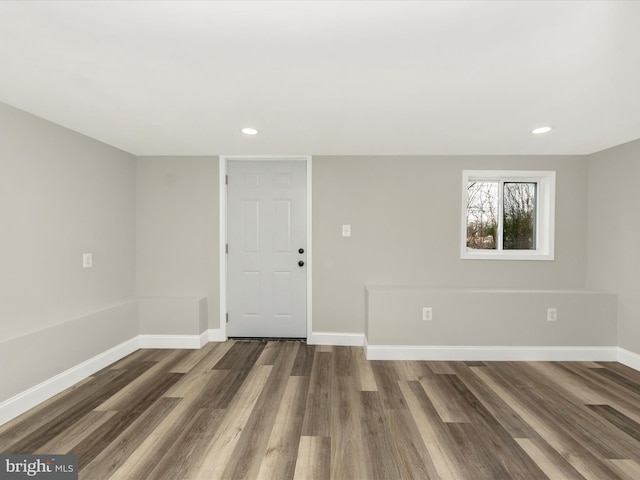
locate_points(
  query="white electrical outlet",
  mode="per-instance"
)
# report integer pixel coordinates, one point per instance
(427, 314)
(552, 314)
(87, 260)
(346, 230)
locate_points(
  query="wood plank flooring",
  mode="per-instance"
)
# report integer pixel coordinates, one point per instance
(286, 410)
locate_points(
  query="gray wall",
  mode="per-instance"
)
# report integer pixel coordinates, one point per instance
(177, 244)
(614, 230)
(405, 215)
(490, 317)
(61, 195)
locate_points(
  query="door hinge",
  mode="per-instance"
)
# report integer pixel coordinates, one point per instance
(226, 179)
(227, 317)
(226, 248)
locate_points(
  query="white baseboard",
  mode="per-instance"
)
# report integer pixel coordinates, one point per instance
(182, 341)
(173, 341)
(458, 353)
(37, 394)
(629, 359)
(215, 335)
(338, 339)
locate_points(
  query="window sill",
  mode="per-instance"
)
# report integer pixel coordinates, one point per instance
(502, 255)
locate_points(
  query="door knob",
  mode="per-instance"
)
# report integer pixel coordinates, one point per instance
(301, 251)
(300, 263)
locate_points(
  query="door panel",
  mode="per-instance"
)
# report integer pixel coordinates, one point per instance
(251, 220)
(282, 289)
(282, 230)
(251, 294)
(266, 227)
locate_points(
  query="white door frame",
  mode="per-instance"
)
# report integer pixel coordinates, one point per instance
(223, 232)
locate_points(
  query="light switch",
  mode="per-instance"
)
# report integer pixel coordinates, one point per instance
(87, 260)
(346, 230)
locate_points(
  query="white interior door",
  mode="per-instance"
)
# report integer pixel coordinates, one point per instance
(266, 258)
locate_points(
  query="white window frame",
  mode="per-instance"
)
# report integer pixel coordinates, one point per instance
(545, 214)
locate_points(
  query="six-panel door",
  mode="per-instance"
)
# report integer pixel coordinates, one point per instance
(266, 233)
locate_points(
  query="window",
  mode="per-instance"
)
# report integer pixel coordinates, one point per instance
(508, 215)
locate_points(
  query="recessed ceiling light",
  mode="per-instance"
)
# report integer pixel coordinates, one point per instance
(249, 131)
(541, 130)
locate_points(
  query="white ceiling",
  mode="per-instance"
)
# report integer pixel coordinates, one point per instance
(328, 77)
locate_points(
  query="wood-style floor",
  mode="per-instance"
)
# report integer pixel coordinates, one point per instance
(286, 410)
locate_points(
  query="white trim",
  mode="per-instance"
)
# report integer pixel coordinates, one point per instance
(216, 335)
(309, 246)
(173, 341)
(629, 359)
(222, 226)
(223, 232)
(338, 339)
(20, 403)
(491, 353)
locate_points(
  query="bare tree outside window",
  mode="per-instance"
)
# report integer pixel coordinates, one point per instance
(482, 215)
(519, 217)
